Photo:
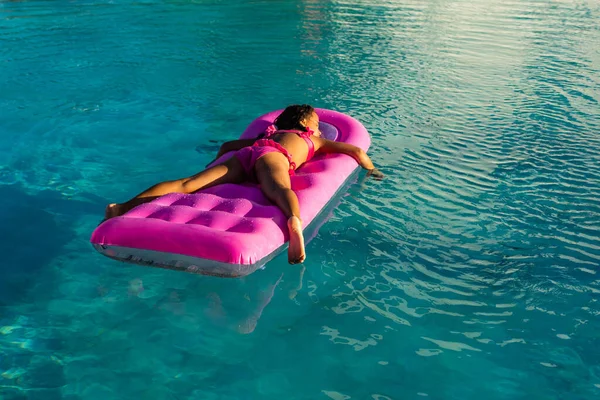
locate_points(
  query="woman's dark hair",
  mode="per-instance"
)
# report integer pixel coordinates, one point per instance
(292, 116)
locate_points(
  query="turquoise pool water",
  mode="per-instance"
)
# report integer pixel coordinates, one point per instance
(470, 272)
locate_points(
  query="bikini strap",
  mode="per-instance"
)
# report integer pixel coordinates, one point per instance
(309, 143)
(270, 131)
(282, 150)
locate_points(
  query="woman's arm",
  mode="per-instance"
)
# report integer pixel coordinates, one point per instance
(330, 146)
(232, 146)
(235, 145)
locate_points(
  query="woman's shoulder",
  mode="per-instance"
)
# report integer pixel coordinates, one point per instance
(318, 141)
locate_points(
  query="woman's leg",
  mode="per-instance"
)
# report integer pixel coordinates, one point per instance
(272, 172)
(230, 171)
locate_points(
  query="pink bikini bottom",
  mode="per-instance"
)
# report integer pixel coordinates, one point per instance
(249, 155)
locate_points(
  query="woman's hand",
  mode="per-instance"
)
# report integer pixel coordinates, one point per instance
(375, 173)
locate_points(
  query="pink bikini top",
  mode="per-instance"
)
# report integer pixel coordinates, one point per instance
(272, 130)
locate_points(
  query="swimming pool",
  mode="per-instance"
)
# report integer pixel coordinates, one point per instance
(470, 271)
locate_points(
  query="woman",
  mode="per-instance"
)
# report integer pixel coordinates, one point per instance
(268, 160)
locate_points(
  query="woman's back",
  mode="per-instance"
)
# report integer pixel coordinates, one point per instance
(297, 146)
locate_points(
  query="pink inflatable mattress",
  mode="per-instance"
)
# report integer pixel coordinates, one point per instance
(230, 230)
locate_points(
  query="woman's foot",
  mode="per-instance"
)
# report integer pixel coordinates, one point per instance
(113, 210)
(296, 253)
